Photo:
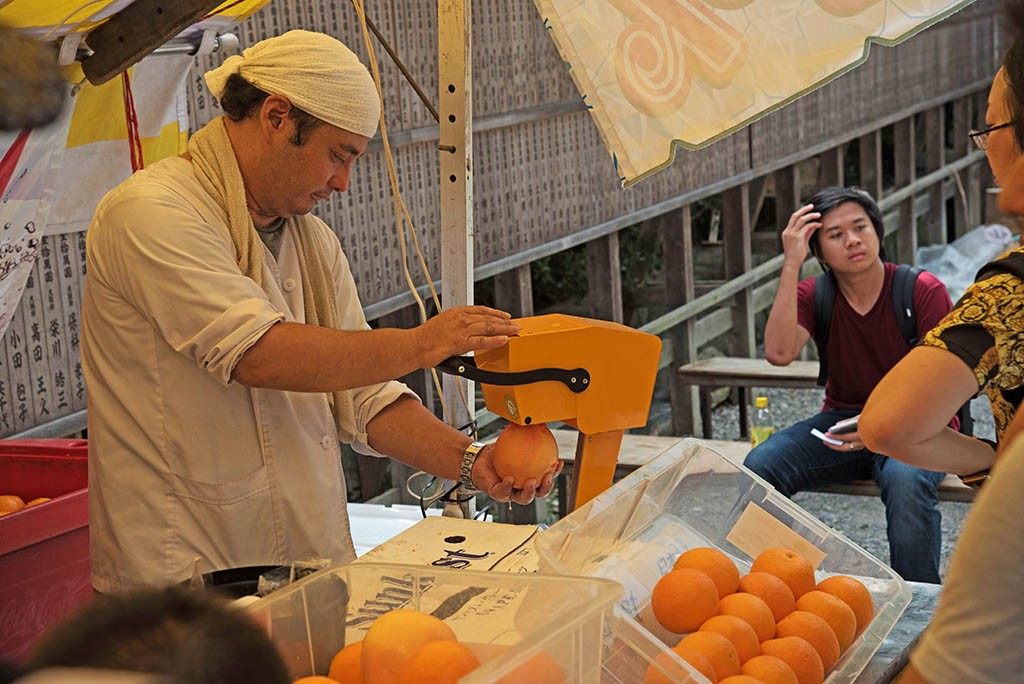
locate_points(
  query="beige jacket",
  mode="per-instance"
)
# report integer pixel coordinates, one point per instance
(184, 463)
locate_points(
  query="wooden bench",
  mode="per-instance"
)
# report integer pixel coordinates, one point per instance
(728, 371)
(638, 450)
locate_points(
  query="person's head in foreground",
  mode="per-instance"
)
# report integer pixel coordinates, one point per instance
(189, 637)
(1001, 134)
(302, 108)
(850, 237)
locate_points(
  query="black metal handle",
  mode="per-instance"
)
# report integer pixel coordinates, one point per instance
(577, 379)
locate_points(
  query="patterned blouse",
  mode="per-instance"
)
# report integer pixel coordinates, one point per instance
(986, 331)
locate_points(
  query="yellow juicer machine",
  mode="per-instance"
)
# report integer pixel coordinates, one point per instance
(595, 376)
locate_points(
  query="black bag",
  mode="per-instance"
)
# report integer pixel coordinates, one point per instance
(903, 307)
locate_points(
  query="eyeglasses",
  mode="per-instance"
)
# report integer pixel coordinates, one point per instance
(980, 138)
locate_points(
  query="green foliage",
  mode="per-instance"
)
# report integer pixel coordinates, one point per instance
(559, 277)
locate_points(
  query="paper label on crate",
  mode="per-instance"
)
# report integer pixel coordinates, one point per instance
(758, 530)
(455, 544)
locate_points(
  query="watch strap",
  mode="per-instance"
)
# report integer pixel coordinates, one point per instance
(466, 468)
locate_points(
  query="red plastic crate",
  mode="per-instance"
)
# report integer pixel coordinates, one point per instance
(44, 549)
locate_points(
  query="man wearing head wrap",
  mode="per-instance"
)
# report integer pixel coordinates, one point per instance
(224, 346)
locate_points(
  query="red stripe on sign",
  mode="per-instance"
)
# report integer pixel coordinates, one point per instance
(11, 157)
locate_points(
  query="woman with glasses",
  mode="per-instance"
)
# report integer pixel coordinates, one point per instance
(978, 346)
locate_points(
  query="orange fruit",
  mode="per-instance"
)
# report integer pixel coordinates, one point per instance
(716, 648)
(713, 563)
(525, 452)
(9, 503)
(771, 590)
(439, 662)
(540, 669)
(314, 679)
(789, 566)
(854, 593)
(347, 665)
(835, 612)
(738, 631)
(770, 670)
(751, 608)
(392, 640)
(39, 500)
(656, 671)
(815, 631)
(683, 599)
(799, 655)
(740, 679)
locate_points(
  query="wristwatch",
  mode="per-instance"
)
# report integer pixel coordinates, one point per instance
(466, 469)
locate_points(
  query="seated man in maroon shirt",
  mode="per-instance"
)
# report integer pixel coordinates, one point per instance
(843, 228)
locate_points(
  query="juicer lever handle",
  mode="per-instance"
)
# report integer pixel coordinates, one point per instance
(577, 379)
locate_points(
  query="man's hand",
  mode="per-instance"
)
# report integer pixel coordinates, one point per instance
(797, 235)
(460, 330)
(851, 441)
(487, 479)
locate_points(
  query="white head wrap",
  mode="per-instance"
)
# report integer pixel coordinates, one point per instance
(315, 71)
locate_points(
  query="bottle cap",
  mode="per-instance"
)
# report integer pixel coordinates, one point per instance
(761, 402)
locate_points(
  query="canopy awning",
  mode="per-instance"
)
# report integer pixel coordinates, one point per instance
(657, 73)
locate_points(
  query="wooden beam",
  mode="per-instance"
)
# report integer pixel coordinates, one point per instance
(513, 291)
(870, 149)
(905, 153)
(935, 158)
(136, 31)
(831, 167)
(676, 231)
(604, 278)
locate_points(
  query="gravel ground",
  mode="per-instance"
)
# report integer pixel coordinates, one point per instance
(860, 518)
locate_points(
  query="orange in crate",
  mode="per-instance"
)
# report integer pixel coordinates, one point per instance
(815, 631)
(799, 655)
(717, 649)
(789, 566)
(683, 599)
(439, 662)
(347, 665)
(835, 612)
(753, 610)
(772, 591)
(770, 670)
(713, 563)
(655, 673)
(854, 593)
(738, 631)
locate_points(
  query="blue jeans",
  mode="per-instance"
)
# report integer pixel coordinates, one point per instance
(793, 460)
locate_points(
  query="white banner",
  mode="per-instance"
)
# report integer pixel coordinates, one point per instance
(654, 73)
(30, 169)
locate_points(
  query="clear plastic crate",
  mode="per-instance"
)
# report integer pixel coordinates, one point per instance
(692, 496)
(508, 619)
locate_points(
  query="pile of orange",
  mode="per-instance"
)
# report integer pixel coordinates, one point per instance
(774, 625)
(10, 503)
(407, 647)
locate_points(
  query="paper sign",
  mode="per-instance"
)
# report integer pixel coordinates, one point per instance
(758, 530)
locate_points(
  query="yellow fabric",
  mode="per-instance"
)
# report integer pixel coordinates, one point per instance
(318, 73)
(56, 18)
(654, 73)
(217, 170)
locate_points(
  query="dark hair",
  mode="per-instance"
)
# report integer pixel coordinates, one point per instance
(827, 199)
(1013, 65)
(241, 100)
(188, 636)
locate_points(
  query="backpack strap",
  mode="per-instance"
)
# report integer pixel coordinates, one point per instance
(824, 300)
(903, 284)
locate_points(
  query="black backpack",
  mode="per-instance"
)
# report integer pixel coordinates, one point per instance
(903, 306)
